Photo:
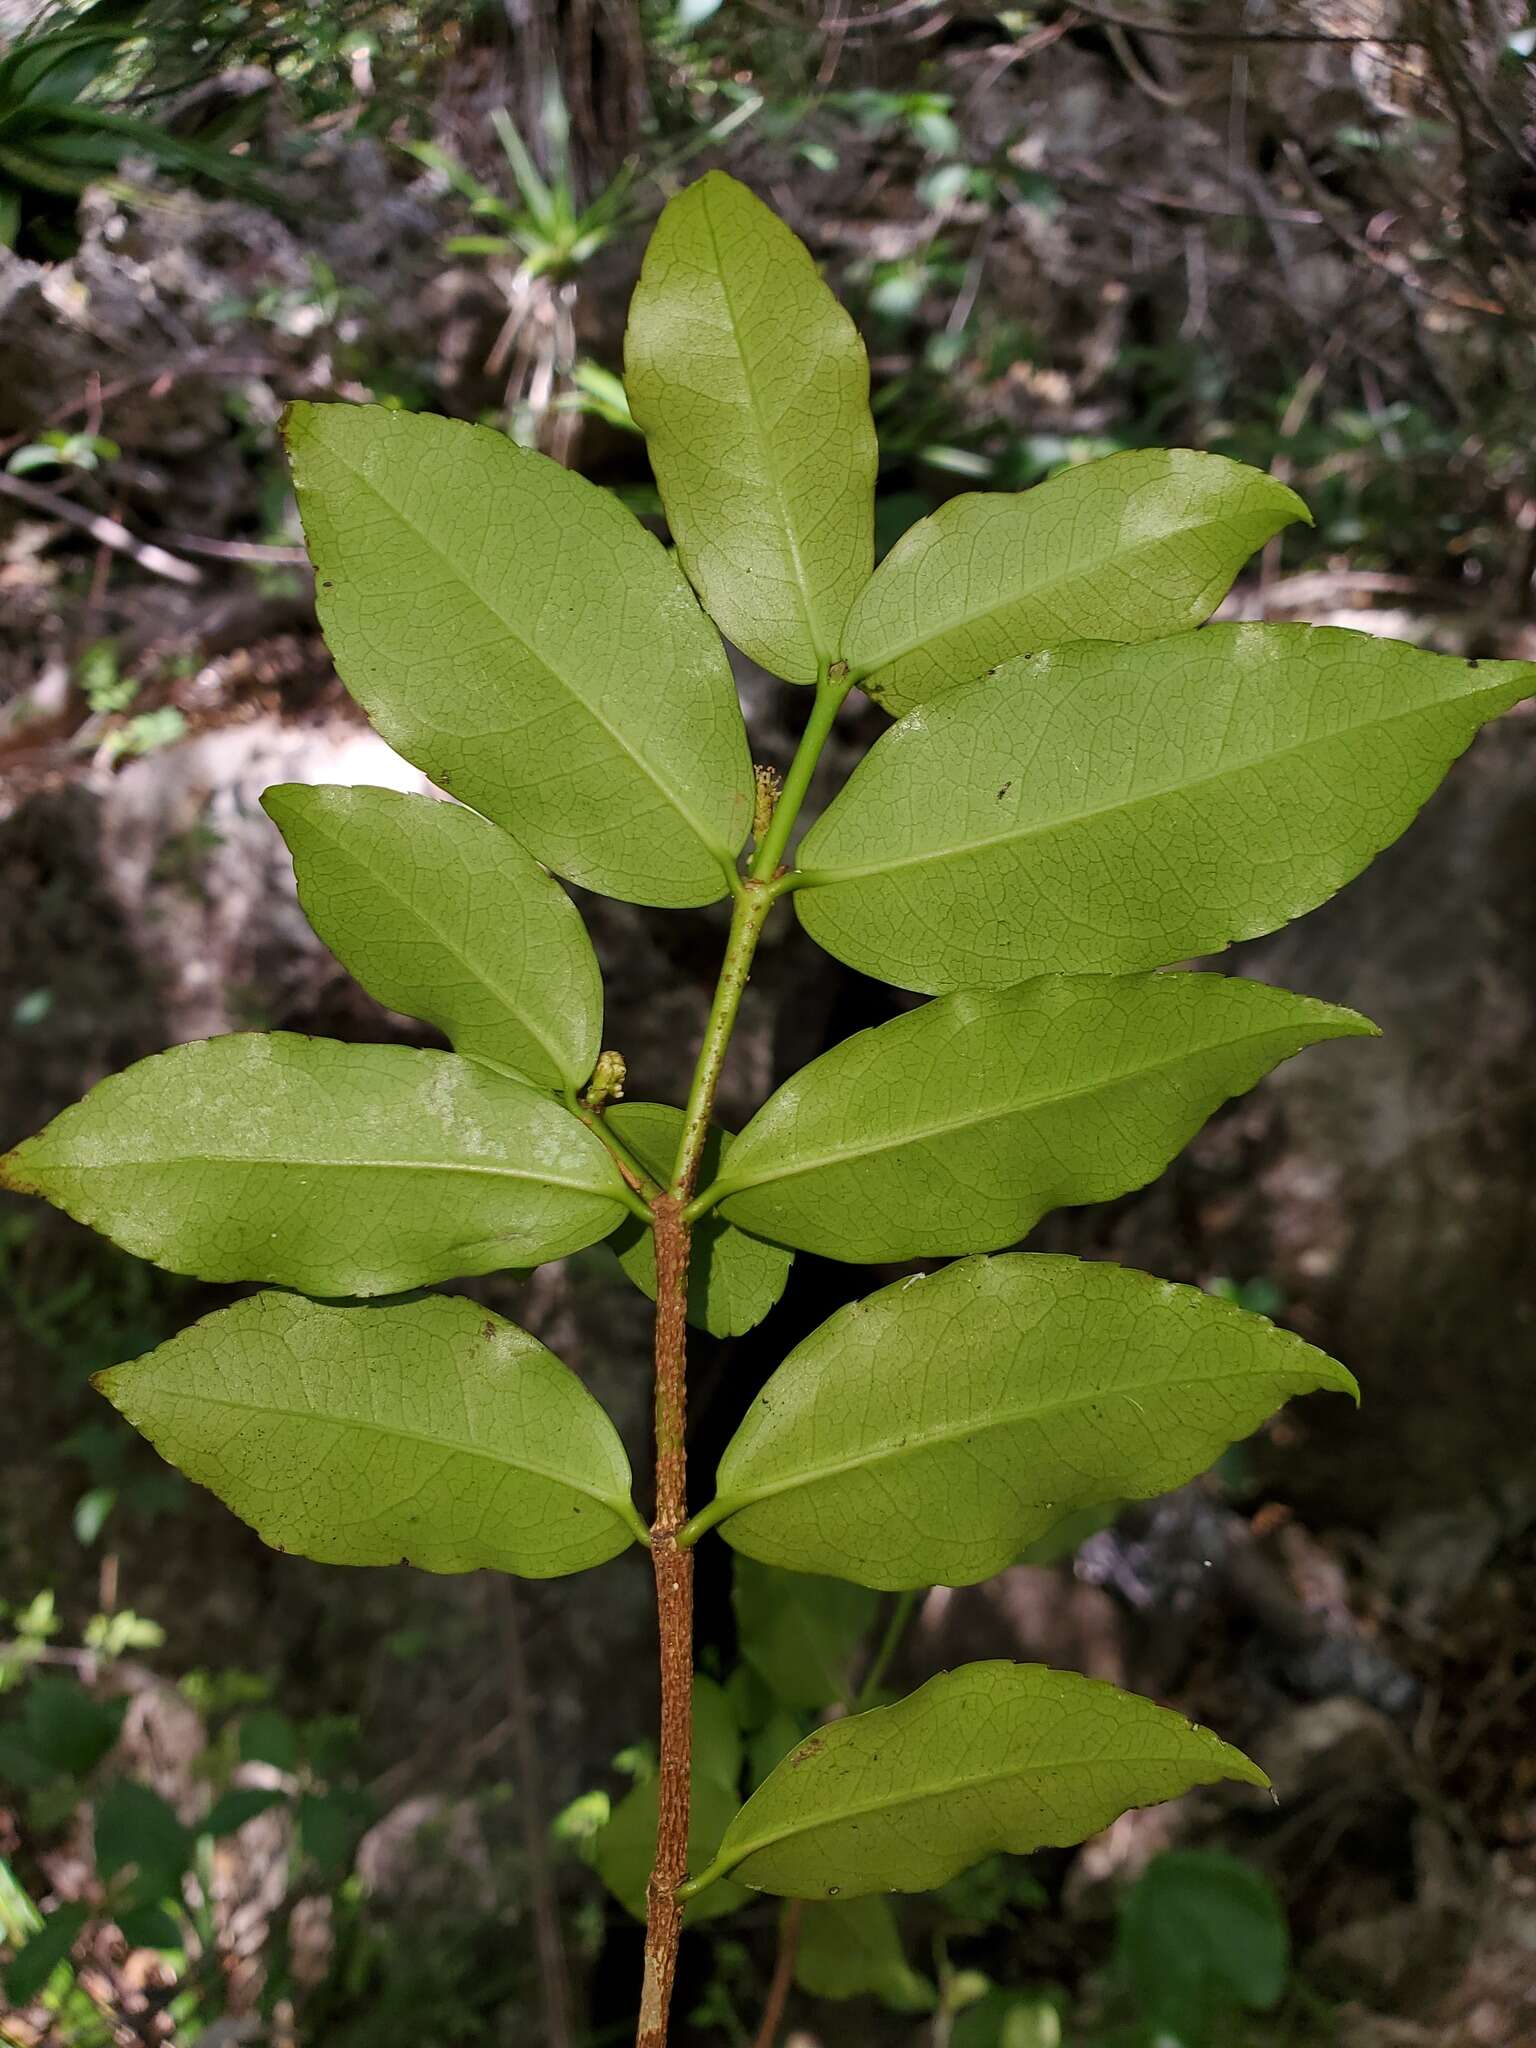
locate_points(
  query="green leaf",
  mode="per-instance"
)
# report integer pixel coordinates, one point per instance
(733, 1279)
(850, 1948)
(339, 1169)
(1107, 808)
(136, 1827)
(515, 632)
(1007, 2019)
(331, 1824)
(66, 1728)
(956, 1127)
(993, 1756)
(443, 917)
(751, 386)
(35, 1961)
(149, 1926)
(239, 1804)
(428, 1432)
(800, 1634)
(1133, 547)
(626, 1847)
(927, 1434)
(1200, 1933)
(268, 1737)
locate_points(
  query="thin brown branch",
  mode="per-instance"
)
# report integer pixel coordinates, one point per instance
(673, 1569)
(1187, 33)
(783, 1974)
(109, 533)
(268, 553)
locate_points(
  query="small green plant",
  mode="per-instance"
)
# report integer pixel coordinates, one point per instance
(60, 130)
(57, 449)
(537, 245)
(152, 1869)
(1084, 783)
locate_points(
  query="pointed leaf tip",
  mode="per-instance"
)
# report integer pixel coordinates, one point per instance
(1133, 547)
(1106, 808)
(992, 1757)
(429, 1432)
(751, 385)
(930, 1433)
(514, 631)
(335, 1168)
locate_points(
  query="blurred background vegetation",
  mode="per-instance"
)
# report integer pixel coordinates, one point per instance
(243, 1798)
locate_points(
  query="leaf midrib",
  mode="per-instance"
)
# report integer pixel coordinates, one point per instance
(377, 874)
(730, 1186)
(941, 1789)
(826, 877)
(415, 1436)
(918, 1441)
(1035, 594)
(288, 1162)
(670, 796)
(765, 444)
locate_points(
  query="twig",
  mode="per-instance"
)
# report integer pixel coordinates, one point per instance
(783, 1974)
(1292, 420)
(553, 1990)
(890, 1643)
(672, 1218)
(240, 550)
(107, 531)
(100, 395)
(1183, 32)
(673, 1570)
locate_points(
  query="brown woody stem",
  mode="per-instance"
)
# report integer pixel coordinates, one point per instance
(673, 1566)
(673, 1569)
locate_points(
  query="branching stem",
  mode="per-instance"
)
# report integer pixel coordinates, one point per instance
(672, 1563)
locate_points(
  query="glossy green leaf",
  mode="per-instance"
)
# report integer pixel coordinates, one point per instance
(1133, 547)
(428, 1432)
(927, 1434)
(733, 1279)
(135, 1828)
(802, 1635)
(751, 385)
(338, 1169)
(1200, 1934)
(851, 1948)
(149, 1926)
(241, 1803)
(441, 916)
(991, 1757)
(67, 1728)
(1010, 2019)
(514, 631)
(626, 1847)
(956, 1127)
(1108, 808)
(28, 1971)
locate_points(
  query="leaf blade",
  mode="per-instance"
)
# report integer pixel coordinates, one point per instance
(851, 1948)
(733, 1279)
(929, 1433)
(990, 1757)
(336, 1169)
(442, 916)
(565, 682)
(751, 386)
(1100, 808)
(429, 1432)
(1130, 548)
(956, 1127)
